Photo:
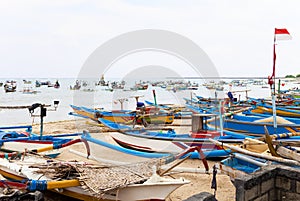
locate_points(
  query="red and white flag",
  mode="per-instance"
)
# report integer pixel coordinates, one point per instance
(282, 34)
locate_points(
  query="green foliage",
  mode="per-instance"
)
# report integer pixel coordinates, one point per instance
(298, 75)
(289, 76)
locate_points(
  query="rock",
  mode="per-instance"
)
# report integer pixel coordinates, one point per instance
(203, 196)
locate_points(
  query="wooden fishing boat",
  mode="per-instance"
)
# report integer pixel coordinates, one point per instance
(167, 142)
(10, 86)
(178, 110)
(281, 111)
(247, 161)
(125, 116)
(29, 90)
(238, 165)
(41, 174)
(56, 85)
(254, 125)
(12, 139)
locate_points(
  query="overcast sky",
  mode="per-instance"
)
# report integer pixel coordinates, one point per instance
(54, 38)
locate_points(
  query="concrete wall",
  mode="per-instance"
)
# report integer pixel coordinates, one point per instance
(271, 184)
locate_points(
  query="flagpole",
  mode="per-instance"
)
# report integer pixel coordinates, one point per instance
(279, 34)
(273, 85)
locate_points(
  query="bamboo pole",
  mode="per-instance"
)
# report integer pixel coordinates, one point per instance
(287, 153)
(189, 170)
(174, 165)
(272, 158)
(62, 184)
(229, 114)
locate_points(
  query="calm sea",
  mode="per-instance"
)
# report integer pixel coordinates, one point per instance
(97, 96)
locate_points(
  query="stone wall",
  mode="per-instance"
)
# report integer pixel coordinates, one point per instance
(271, 184)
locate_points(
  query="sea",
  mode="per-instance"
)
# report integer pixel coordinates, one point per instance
(101, 97)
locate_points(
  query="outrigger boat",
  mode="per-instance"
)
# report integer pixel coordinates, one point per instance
(250, 124)
(281, 111)
(178, 110)
(170, 142)
(125, 116)
(12, 139)
(142, 182)
(254, 125)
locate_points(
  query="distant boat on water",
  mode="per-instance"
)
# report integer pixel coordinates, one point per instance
(77, 86)
(29, 90)
(56, 85)
(10, 86)
(27, 81)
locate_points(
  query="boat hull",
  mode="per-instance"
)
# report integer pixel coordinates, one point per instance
(123, 116)
(279, 111)
(255, 125)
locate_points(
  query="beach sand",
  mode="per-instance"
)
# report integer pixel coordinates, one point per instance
(199, 182)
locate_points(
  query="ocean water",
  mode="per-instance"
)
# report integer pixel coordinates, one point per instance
(98, 96)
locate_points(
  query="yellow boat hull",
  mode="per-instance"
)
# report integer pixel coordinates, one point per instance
(263, 110)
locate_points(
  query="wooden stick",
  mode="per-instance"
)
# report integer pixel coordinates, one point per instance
(173, 166)
(228, 114)
(287, 153)
(272, 158)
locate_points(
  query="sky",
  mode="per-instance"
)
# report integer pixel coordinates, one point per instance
(54, 38)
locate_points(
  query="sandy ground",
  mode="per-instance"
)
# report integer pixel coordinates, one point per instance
(199, 182)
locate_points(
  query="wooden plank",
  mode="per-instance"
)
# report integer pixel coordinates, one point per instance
(268, 140)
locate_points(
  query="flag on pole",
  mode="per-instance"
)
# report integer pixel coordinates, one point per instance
(282, 34)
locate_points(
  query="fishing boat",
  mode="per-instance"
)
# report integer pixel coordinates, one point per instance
(178, 110)
(29, 90)
(126, 116)
(240, 165)
(36, 173)
(237, 165)
(250, 124)
(27, 81)
(102, 150)
(254, 125)
(76, 86)
(56, 85)
(16, 139)
(168, 142)
(10, 86)
(280, 111)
